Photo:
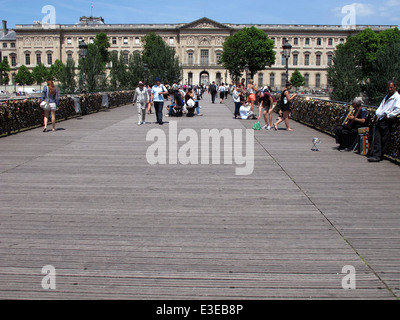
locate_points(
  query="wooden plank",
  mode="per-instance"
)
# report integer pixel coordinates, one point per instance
(85, 200)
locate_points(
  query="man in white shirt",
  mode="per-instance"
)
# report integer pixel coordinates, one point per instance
(385, 116)
(246, 113)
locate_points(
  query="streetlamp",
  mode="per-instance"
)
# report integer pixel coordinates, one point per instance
(83, 50)
(287, 47)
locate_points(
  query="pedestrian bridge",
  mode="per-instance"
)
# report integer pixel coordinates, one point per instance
(86, 201)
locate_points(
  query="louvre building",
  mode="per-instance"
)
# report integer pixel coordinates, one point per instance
(198, 45)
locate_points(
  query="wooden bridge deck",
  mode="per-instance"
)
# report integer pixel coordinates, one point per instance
(85, 200)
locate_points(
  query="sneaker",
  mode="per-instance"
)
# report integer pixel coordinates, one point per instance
(139, 123)
(269, 128)
(199, 114)
(143, 122)
(167, 114)
(264, 127)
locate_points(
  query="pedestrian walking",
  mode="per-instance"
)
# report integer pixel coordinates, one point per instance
(213, 91)
(141, 99)
(50, 94)
(286, 103)
(221, 90)
(157, 96)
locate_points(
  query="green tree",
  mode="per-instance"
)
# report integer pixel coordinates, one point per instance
(24, 76)
(344, 75)
(4, 69)
(102, 42)
(40, 74)
(94, 70)
(161, 59)
(386, 67)
(56, 70)
(118, 73)
(248, 47)
(135, 70)
(297, 79)
(67, 77)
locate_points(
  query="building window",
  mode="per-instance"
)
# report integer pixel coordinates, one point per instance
(341, 40)
(49, 59)
(91, 40)
(273, 40)
(295, 59)
(284, 40)
(12, 44)
(126, 40)
(319, 42)
(318, 80)
(307, 60)
(190, 58)
(204, 57)
(318, 60)
(330, 59)
(137, 41)
(296, 41)
(126, 57)
(272, 79)
(69, 41)
(69, 56)
(27, 59)
(4, 45)
(38, 58)
(218, 57)
(171, 41)
(307, 41)
(330, 42)
(13, 60)
(260, 80)
(306, 80)
(114, 40)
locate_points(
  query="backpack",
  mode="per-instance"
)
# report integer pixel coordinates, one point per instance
(213, 88)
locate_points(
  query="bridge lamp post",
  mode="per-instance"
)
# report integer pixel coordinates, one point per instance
(287, 48)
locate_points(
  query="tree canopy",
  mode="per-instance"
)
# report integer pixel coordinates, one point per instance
(249, 47)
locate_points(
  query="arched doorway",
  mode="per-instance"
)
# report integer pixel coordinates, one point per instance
(204, 78)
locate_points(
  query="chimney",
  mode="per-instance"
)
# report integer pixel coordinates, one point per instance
(5, 31)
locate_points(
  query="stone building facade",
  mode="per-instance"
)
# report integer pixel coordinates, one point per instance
(198, 45)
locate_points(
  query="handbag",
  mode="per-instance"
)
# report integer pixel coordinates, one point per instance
(190, 103)
(45, 104)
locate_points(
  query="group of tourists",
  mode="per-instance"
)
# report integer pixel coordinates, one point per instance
(246, 97)
(186, 101)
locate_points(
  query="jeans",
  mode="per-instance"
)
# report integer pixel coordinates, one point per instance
(237, 108)
(158, 106)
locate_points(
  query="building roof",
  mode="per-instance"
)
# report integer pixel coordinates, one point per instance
(11, 35)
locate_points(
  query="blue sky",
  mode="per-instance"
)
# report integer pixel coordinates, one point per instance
(380, 12)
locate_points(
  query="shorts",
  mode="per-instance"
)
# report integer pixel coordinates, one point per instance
(285, 107)
(52, 107)
(252, 97)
